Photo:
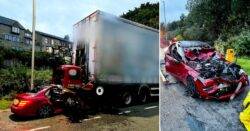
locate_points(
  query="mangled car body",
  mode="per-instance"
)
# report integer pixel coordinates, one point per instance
(204, 71)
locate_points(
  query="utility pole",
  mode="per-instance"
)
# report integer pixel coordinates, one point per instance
(33, 43)
(164, 12)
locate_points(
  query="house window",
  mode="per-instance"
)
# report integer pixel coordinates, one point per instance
(28, 41)
(6, 37)
(12, 38)
(15, 30)
(52, 42)
(15, 38)
(45, 41)
(27, 34)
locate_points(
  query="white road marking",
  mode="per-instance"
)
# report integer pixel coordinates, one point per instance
(39, 128)
(150, 107)
(96, 117)
(124, 112)
(127, 112)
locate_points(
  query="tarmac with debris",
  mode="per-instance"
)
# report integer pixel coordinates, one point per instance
(138, 117)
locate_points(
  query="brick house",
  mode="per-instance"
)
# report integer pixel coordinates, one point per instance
(53, 44)
(14, 35)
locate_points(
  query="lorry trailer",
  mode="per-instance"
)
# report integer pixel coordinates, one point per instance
(119, 57)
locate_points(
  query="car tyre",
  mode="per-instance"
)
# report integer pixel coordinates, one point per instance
(143, 96)
(191, 88)
(45, 111)
(127, 98)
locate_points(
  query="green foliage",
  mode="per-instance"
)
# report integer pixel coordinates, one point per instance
(221, 46)
(17, 78)
(147, 14)
(41, 77)
(193, 33)
(172, 34)
(13, 78)
(5, 104)
(179, 37)
(209, 20)
(42, 59)
(240, 43)
(244, 62)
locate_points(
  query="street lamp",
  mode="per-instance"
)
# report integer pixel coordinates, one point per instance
(33, 43)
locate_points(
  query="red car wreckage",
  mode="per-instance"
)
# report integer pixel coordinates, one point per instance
(42, 101)
(204, 72)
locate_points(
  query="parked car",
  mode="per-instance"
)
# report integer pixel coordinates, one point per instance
(42, 101)
(204, 72)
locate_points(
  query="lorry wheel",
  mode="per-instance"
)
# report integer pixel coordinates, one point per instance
(45, 111)
(143, 96)
(99, 91)
(127, 98)
(191, 88)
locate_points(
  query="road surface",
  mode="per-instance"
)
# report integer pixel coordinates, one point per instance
(139, 117)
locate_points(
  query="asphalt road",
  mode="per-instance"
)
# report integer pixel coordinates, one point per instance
(139, 117)
(183, 113)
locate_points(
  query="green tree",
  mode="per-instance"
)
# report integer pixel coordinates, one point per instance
(147, 14)
(209, 20)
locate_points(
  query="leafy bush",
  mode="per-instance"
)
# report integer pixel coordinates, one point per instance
(174, 33)
(42, 59)
(240, 43)
(13, 78)
(4, 104)
(179, 37)
(41, 77)
(17, 79)
(221, 46)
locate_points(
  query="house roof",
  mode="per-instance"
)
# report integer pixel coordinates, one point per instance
(53, 36)
(10, 22)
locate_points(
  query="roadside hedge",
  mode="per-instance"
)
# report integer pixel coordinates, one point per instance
(240, 43)
(17, 79)
(42, 59)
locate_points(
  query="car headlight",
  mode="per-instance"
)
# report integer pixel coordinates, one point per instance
(15, 102)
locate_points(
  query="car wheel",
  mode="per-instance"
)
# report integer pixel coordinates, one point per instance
(143, 96)
(127, 98)
(45, 111)
(191, 88)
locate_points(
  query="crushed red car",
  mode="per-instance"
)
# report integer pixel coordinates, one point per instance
(42, 101)
(204, 72)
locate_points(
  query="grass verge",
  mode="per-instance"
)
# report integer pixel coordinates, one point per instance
(5, 104)
(244, 62)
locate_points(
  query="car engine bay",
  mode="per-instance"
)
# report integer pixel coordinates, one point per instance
(216, 67)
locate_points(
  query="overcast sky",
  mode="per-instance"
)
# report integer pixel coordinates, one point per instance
(173, 9)
(58, 16)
